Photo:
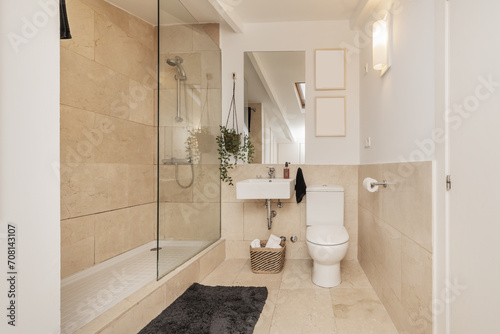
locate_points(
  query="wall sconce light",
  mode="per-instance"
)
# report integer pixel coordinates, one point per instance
(382, 44)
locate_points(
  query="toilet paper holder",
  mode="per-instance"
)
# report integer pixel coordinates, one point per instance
(384, 183)
(372, 185)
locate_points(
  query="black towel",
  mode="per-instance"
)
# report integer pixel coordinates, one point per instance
(300, 186)
(63, 18)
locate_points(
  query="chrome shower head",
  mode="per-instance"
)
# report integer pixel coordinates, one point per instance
(181, 74)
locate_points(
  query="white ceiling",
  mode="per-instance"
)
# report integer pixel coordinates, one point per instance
(259, 11)
(245, 11)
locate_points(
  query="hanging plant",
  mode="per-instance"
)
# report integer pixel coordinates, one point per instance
(231, 140)
(200, 140)
(231, 147)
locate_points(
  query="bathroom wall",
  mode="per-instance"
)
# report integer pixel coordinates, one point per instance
(397, 110)
(395, 241)
(190, 213)
(29, 153)
(108, 138)
(298, 36)
(246, 220)
(328, 160)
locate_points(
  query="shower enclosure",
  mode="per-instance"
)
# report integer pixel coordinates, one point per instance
(189, 115)
(140, 187)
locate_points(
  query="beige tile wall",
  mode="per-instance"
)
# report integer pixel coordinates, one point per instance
(108, 138)
(246, 220)
(395, 241)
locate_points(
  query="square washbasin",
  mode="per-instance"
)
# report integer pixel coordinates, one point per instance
(265, 189)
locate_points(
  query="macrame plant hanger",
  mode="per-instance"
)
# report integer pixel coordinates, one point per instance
(232, 109)
(232, 140)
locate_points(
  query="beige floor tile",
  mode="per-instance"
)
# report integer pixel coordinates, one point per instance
(247, 278)
(360, 311)
(361, 304)
(263, 326)
(353, 275)
(348, 326)
(297, 275)
(303, 311)
(296, 305)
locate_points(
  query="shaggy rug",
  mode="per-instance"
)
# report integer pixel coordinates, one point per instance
(211, 309)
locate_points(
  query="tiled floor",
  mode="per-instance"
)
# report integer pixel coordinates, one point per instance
(296, 305)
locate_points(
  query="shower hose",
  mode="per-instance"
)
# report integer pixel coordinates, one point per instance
(177, 176)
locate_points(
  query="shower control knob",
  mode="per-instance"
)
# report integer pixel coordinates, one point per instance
(293, 238)
(283, 238)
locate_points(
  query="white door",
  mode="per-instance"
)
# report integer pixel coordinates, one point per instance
(474, 253)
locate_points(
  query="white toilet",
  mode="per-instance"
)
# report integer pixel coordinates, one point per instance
(327, 238)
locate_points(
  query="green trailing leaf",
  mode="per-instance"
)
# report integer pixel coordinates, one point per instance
(230, 147)
(231, 150)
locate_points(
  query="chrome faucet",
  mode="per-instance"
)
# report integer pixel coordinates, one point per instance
(271, 172)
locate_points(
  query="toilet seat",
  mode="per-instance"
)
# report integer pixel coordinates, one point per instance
(327, 235)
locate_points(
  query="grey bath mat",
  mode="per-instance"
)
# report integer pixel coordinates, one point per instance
(212, 310)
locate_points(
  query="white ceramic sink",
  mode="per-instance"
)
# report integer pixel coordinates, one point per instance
(265, 189)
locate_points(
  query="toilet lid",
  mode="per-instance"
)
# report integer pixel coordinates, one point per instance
(327, 235)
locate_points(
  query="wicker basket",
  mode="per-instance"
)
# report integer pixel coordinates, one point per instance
(267, 260)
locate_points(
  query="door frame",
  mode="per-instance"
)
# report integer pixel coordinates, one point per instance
(441, 212)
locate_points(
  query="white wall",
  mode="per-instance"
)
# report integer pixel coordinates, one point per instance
(397, 111)
(29, 145)
(299, 36)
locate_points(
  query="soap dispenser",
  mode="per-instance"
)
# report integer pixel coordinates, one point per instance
(286, 171)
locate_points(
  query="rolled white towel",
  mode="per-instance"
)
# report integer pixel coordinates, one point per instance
(273, 242)
(255, 243)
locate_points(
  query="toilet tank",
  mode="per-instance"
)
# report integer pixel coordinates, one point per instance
(325, 205)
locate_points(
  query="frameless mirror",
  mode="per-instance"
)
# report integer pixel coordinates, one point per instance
(275, 105)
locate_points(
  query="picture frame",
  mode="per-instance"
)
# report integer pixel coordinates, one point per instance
(330, 69)
(330, 116)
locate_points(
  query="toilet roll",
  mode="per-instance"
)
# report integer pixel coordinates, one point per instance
(367, 184)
